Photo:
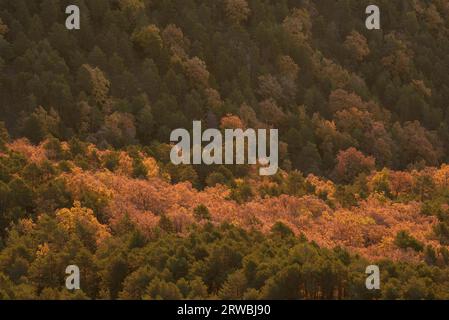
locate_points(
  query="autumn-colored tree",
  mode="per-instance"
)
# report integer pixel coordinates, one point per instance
(350, 163)
(196, 70)
(237, 11)
(83, 221)
(231, 122)
(3, 28)
(298, 24)
(148, 39)
(357, 45)
(175, 39)
(341, 99)
(401, 183)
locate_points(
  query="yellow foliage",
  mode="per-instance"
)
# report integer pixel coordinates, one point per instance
(441, 176)
(26, 225)
(152, 167)
(379, 181)
(43, 250)
(321, 186)
(70, 218)
(125, 165)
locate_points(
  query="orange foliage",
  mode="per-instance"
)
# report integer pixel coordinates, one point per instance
(32, 153)
(231, 122)
(368, 229)
(322, 186)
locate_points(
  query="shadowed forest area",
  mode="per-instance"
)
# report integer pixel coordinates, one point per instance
(85, 171)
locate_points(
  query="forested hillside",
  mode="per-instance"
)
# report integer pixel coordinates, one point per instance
(85, 171)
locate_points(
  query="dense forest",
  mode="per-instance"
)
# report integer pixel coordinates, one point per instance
(85, 171)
